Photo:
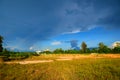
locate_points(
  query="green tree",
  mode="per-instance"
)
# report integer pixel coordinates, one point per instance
(1, 41)
(84, 47)
(103, 48)
(94, 50)
(59, 50)
(72, 51)
(101, 45)
(116, 50)
(5, 52)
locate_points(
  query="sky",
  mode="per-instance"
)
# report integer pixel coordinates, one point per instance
(50, 24)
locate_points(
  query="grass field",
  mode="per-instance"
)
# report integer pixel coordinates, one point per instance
(81, 67)
(72, 56)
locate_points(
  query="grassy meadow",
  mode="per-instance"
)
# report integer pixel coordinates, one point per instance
(81, 67)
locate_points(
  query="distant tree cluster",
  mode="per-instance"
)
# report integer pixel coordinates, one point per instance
(102, 48)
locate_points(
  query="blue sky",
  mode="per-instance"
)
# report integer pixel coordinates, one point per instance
(42, 24)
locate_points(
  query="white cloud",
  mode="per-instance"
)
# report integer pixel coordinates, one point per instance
(31, 48)
(72, 32)
(116, 44)
(56, 43)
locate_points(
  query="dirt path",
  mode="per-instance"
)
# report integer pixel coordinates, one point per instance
(29, 62)
(36, 61)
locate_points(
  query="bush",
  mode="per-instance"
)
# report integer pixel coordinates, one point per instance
(59, 50)
(116, 50)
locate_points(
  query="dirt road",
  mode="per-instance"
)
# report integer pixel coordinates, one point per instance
(35, 61)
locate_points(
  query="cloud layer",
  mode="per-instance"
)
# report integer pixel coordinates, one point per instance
(39, 20)
(56, 43)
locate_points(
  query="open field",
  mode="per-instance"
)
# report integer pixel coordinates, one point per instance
(64, 67)
(71, 56)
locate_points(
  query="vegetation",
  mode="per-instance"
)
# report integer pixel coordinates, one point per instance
(81, 66)
(116, 49)
(11, 55)
(102, 48)
(1, 41)
(84, 47)
(80, 69)
(59, 50)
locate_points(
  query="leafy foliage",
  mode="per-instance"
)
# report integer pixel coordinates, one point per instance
(116, 50)
(72, 51)
(84, 47)
(59, 50)
(103, 48)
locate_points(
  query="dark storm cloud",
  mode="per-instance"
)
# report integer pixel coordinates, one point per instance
(38, 20)
(74, 44)
(29, 20)
(112, 19)
(107, 12)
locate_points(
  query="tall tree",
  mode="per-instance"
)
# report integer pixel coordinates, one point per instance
(103, 48)
(101, 45)
(116, 49)
(1, 41)
(84, 47)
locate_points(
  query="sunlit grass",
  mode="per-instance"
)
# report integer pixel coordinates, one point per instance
(76, 69)
(71, 56)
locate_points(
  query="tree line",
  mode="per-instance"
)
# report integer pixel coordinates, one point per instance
(102, 48)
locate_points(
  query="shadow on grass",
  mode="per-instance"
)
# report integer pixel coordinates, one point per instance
(5, 58)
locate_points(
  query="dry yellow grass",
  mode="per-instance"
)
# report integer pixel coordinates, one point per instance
(90, 68)
(72, 56)
(61, 57)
